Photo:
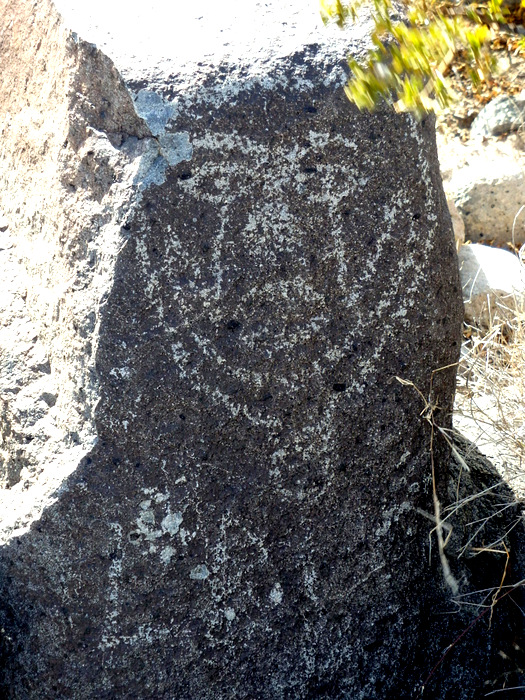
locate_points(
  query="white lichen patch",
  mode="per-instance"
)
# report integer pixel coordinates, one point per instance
(229, 614)
(166, 554)
(199, 573)
(185, 536)
(310, 581)
(145, 634)
(121, 372)
(171, 523)
(276, 594)
(155, 521)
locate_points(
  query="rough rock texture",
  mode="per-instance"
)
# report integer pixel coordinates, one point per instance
(493, 282)
(214, 486)
(487, 184)
(486, 529)
(500, 116)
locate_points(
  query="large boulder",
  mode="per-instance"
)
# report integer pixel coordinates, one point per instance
(214, 485)
(503, 114)
(486, 181)
(493, 283)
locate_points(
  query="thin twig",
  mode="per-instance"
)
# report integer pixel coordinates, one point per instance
(504, 690)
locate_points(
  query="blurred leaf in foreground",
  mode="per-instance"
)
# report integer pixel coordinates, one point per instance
(408, 63)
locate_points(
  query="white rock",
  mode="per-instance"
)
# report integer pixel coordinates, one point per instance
(493, 282)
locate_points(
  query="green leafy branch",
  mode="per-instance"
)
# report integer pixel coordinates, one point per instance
(407, 65)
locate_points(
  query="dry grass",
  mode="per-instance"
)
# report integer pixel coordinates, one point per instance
(490, 399)
(490, 412)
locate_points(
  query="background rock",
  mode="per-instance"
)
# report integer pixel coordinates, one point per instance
(487, 184)
(493, 282)
(503, 114)
(226, 268)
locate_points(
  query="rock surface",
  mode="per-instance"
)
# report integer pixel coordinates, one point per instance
(487, 184)
(501, 115)
(217, 268)
(457, 222)
(493, 282)
(483, 529)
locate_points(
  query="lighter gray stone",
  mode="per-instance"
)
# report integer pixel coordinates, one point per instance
(500, 116)
(487, 185)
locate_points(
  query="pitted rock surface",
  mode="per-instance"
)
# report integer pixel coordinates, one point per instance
(486, 183)
(227, 267)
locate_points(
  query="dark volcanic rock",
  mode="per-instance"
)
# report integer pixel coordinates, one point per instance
(218, 269)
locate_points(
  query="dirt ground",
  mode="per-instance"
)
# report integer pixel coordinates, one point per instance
(508, 48)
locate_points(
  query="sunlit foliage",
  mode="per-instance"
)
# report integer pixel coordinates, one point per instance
(414, 45)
